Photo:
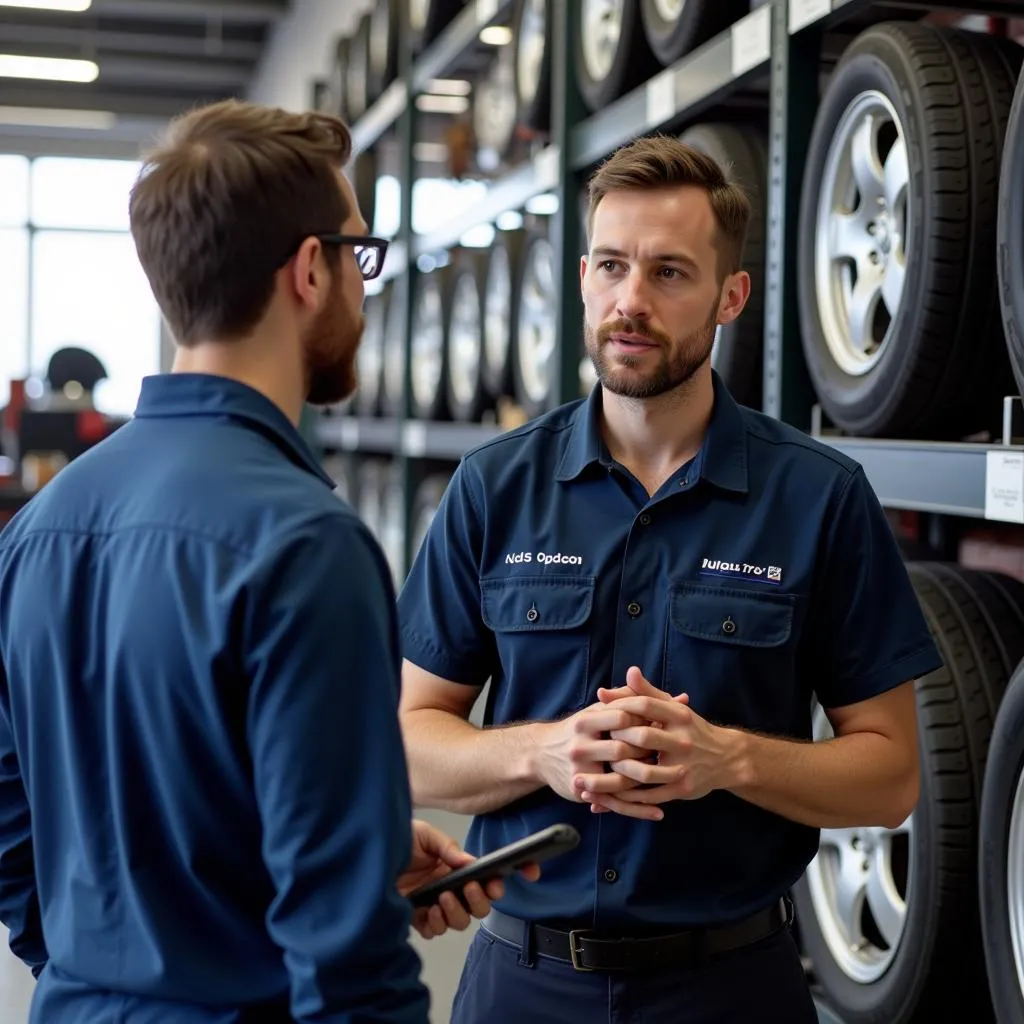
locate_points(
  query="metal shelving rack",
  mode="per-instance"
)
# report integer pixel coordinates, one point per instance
(778, 43)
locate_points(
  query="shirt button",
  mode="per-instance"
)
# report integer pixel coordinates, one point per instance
(611, 875)
(532, 615)
(634, 609)
(683, 482)
(728, 627)
(645, 520)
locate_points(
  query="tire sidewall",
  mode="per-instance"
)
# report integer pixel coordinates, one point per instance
(1010, 236)
(858, 401)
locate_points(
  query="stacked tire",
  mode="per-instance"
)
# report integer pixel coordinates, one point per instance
(889, 918)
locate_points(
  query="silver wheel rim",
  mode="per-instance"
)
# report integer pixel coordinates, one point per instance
(494, 112)
(427, 344)
(380, 33)
(601, 31)
(464, 339)
(419, 530)
(394, 355)
(1015, 880)
(369, 498)
(370, 355)
(857, 900)
(530, 49)
(536, 337)
(392, 514)
(669, 10)
(862, 225)
(497, 309)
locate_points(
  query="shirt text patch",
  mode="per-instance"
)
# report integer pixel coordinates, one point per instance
(742, 570)
(542, 558)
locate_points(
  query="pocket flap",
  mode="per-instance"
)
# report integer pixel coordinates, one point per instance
(528, 603)
(732, 616)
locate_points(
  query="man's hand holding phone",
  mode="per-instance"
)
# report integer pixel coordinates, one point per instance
(435, 855)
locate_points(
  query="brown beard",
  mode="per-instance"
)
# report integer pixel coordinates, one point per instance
(330, 349)
(680, 359)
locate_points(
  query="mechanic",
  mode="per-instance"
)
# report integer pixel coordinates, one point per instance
(715, 572)
(204, 802)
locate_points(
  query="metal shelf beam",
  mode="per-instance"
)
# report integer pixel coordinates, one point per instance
(414, 439)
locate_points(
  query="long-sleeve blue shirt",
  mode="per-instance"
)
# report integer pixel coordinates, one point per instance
(204, 804)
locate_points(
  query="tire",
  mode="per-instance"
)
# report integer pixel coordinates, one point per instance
(428, 18)
(369, 489)
(501, 308)
(364, 184)
(1001, 860)
(494, 112)
(432, 309)
(533, 40)
(392, 519)
(672, 34)
(384, 29)
(1010, 237)
(337, 82)
(932, 965)
(424, 504)
(464, 382)
(742, 151)
(370, 356)
(607, 64)
(535, 345)
(938, 98)
(357, 79)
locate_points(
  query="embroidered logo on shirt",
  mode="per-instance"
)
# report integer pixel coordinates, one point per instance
(742, 570)
(542, 558)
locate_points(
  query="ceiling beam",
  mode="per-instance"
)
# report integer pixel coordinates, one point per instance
(248, 11)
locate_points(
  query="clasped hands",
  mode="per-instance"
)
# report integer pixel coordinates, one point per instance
(657, 748)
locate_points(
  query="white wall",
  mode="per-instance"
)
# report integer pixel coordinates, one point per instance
(302, 49)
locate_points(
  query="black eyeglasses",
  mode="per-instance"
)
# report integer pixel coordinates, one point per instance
(369, 251)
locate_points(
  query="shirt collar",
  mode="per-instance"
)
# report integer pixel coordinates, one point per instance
(202, 394)
(722, 459)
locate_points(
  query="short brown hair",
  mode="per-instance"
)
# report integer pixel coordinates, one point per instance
(223, 200)
(660, 162)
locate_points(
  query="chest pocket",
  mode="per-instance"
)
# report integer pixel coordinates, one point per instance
(541, 626)
(734, 652)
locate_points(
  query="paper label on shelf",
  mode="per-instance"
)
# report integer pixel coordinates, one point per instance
(485, 10)
(414, 439)
(661, 98)
(349, 434)
(752, 40)
(1004, 486)
(805, 12)
(547, 166)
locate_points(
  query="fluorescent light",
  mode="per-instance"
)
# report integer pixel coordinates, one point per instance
(51, 68)
(544, 205)
(74, 6)
(430, 152)
(50, 117)
(442, 104)
(448, 87)
(496, 35)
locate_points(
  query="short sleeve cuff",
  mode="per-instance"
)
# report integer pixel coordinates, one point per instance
(448, 666)
(922, 661)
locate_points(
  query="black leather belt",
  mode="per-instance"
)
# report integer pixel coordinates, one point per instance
(588, 950)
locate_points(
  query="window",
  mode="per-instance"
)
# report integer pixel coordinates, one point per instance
(13, 307)
(13, 191)
(88, 290)
(81, 193)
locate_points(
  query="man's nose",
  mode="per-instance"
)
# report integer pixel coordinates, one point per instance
(632, 300)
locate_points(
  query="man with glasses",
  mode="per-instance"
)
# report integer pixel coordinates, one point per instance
(204, 804)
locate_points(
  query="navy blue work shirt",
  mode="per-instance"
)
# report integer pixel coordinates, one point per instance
(204, 799)
(762, 574)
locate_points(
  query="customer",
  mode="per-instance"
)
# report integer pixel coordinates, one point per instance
(659, 530)
(204, 804)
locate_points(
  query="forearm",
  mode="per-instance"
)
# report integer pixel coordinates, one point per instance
(860, 779)
(457, 767)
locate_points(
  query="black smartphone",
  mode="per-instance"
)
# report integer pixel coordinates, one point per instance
(533, 849)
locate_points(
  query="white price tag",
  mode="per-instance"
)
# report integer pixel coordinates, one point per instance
(805, 12)
(752, 40)
(414, 439)
(547, 166)
(1004, 486)
(485, 10)
(661, 98)
(349, 434)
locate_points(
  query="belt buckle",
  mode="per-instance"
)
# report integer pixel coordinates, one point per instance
(575, 953)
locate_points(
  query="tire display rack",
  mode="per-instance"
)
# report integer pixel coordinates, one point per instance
(922, 922)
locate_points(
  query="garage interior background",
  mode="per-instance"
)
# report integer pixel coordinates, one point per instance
(883, 145)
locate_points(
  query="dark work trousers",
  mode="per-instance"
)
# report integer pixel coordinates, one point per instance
(762, 983)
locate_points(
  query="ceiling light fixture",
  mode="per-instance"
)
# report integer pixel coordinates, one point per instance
(442, 104)
(72, 6)
(51, 117)
(55, 69)
(496, 35)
